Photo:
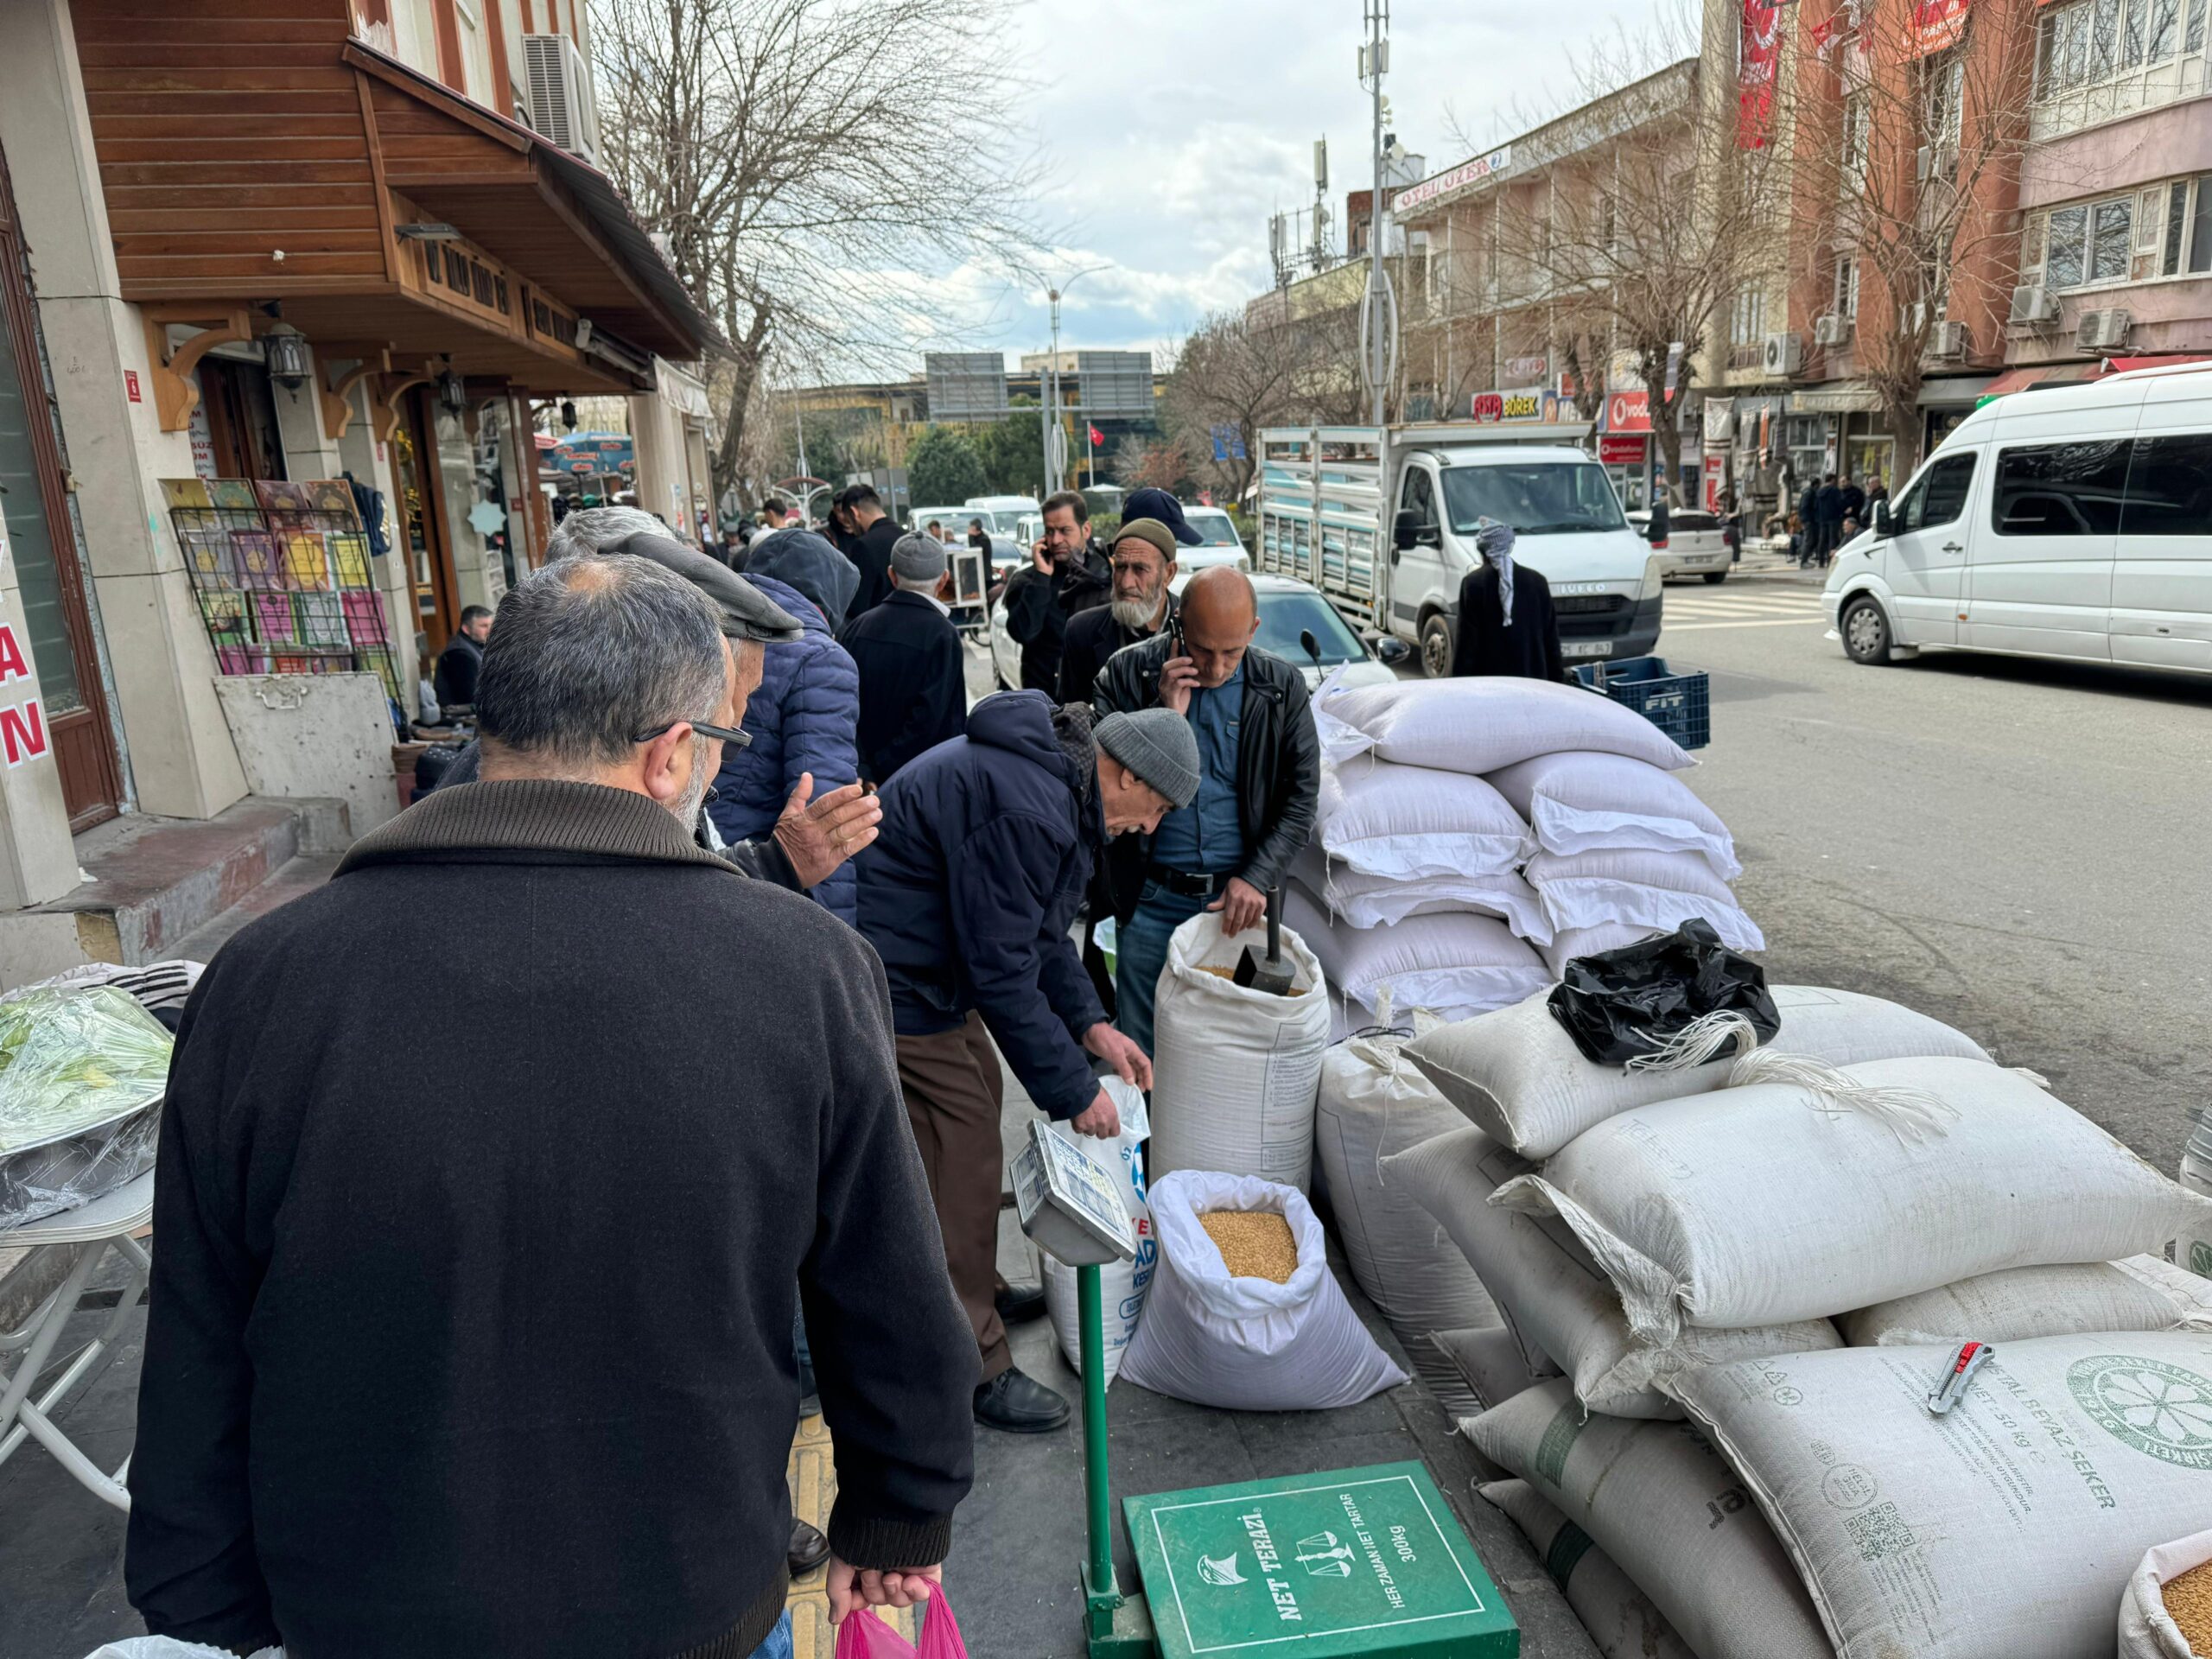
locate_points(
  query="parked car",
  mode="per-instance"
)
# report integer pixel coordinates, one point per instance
(2071, 521)
(1296, 623)
(1696, 544)
(1222, 546)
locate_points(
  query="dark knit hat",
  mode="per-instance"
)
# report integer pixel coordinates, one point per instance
(1159, 746)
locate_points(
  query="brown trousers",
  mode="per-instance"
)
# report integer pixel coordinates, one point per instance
(954, 1091)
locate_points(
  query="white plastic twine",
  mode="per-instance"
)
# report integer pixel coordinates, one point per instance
(1704, 1038)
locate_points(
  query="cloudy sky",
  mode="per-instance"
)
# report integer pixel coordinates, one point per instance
(1172, 130)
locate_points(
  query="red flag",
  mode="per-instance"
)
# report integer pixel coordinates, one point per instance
(1096, 437)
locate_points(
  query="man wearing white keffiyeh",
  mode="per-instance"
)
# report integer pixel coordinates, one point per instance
(1506, 625)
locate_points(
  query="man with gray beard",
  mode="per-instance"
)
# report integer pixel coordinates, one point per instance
(1143, 561)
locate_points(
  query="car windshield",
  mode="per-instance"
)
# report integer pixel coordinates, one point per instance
(1537, 497)
(1283, 617)
(1218, 529)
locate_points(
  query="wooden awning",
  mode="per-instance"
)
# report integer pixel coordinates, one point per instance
(250, 152)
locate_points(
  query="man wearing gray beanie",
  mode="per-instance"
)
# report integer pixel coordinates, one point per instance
(969, 898)
(913, 686)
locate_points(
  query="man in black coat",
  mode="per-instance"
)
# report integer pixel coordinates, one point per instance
(913, 680)
(1066, 575)
(988, 847)
(506, 1367)
(1808, 522)
(1507, 626)
(870, 534)
(1829, 508)
(1854, 499)
(1143, 566)
(462, 659)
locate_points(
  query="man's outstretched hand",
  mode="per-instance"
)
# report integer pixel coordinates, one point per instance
(819, 837)
(1130, 1063)
(852, 1588)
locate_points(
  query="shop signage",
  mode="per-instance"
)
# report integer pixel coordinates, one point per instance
(1628, 411)
(1720, 419)
(1429, 189)
(131, 385)
(1619, 450)
(22, 725)
(1529, 369)
(1715, 478)
(1848, 400)
(1937, 24)
(1758, 54)
(1507, 408)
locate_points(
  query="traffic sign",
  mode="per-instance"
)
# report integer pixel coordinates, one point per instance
(1358, 1561)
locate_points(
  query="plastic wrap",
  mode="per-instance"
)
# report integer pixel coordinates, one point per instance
(81, 1075)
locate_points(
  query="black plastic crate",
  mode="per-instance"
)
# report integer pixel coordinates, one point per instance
(1680, 705)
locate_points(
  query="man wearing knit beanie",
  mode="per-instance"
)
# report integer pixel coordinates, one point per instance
(969, 898)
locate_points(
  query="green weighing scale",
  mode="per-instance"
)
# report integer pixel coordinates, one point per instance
(1353, 1561)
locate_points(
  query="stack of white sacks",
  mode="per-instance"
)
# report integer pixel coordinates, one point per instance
(1728, 1289)
(1474, 835)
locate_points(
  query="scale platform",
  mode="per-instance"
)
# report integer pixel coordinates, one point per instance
(1365, 1562)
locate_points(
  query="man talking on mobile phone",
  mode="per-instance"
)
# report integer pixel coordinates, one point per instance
(1259, 778)
(1066, 575)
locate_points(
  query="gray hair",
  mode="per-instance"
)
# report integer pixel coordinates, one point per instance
(588, 529)
(588, 653)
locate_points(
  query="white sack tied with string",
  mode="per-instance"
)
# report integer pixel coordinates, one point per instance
(1409, 822)
(1374, 1103)
(1452, 965)
(1590, 803)
(1800, 1199)
(1363, 900)
(1518, 1077)
(1654, 891)
(1481, 724)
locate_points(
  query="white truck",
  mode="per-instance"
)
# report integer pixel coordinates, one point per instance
(1383, 520)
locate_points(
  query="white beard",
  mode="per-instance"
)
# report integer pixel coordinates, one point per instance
(1135, 612)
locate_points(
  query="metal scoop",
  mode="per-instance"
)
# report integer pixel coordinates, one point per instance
(1274, 973)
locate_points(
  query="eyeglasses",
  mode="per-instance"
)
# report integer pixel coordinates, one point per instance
(743, 740)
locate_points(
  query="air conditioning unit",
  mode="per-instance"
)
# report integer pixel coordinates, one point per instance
(1832, 330)
(1949, 340)
(2102, 331)
(1784, 354)
(2034, 303)
(1936, 161)
(558, 86)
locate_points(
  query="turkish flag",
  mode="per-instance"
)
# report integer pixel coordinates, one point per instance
(1096, 437)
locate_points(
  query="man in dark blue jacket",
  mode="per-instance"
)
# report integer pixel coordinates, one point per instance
(968, 899)
(913, 688)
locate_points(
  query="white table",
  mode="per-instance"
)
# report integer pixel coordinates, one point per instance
(104, 1223)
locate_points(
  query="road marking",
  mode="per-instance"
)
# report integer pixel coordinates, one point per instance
(1778, 622)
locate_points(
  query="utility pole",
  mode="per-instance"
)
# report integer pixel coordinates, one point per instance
(798, 422)
(1055, 437)
(1378, 306)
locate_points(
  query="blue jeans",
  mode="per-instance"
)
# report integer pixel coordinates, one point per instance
(778, 1644)
(1141, 956)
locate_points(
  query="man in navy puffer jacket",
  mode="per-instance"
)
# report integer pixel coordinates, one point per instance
(801, 719)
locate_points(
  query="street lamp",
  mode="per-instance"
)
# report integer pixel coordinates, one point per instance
(1053, 445)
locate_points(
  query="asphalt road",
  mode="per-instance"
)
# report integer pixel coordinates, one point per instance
(2017, 848)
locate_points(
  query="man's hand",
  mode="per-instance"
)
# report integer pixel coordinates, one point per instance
(1130, 1063)
(1178, 678)
(1041, 556)
(818, 838)
(1101, 1120)
(1242, 905)
(851, 1589)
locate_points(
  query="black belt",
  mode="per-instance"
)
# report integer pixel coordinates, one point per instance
(1188, 884)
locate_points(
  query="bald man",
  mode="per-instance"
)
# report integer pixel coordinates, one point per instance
(1259, 774)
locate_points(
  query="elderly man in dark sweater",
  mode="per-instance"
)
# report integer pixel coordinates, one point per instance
(504, 1367)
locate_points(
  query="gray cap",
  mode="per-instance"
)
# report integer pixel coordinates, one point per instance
(747, 613)
(1159, 746)
(917, 559)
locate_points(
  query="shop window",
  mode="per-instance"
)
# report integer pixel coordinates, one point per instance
(2060, 489)
(2170, 486)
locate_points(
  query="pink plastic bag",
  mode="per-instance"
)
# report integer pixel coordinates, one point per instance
(863, 1636)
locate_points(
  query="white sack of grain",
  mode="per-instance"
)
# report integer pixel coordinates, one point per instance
(1621, 1619)
(1519, 1077)
(1479, 725)
(1671, 1514)
(1575, 942)
(2009, 1526)
(1409, 822)
(1489, 1361)
(1583, 803)
(1364, 900)
(1563, 1310)
(1929, 1171)
(1656, 893)
(1452, 965)
(2147, 1629)
(2141, 1293)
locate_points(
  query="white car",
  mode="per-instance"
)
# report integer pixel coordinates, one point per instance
(1696, 544)
(1291, 613)
(1221, 545)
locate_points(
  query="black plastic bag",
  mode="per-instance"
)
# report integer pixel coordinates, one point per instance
(1622, 1005)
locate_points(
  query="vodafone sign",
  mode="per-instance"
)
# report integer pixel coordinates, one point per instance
(1628, 411)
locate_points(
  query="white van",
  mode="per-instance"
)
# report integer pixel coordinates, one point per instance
(2072, 522)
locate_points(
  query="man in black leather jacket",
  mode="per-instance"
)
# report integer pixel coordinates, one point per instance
(1260, 777)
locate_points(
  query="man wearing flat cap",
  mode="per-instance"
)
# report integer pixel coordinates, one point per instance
(988, 843)
(913, 690)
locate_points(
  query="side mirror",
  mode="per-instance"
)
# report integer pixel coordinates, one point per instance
(1310, 646)
(1405, 530)
(1391, 651)
(1880, 524)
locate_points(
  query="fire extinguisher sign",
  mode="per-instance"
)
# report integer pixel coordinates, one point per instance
(22, 720)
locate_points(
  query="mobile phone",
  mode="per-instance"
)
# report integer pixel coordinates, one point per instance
(1175, 647)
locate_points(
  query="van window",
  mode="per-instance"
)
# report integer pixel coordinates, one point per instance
(2170, 486)
(1537, 497)
(1938, 496)
(2060, 489)
(1420, 494)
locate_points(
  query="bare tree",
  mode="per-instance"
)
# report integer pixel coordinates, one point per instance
(1911, 123)
(810, 192)
(1241, 370)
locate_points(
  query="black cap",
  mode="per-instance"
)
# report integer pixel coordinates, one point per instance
(747, 613)
(1158, 504)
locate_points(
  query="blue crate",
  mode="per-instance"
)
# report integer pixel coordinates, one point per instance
(1680, 705)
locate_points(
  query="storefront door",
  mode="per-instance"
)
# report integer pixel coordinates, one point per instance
(41, 543)
(422, 521)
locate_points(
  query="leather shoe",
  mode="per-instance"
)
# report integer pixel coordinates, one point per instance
(809, 1548)
(1018, 1405)
(1018, 1304)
